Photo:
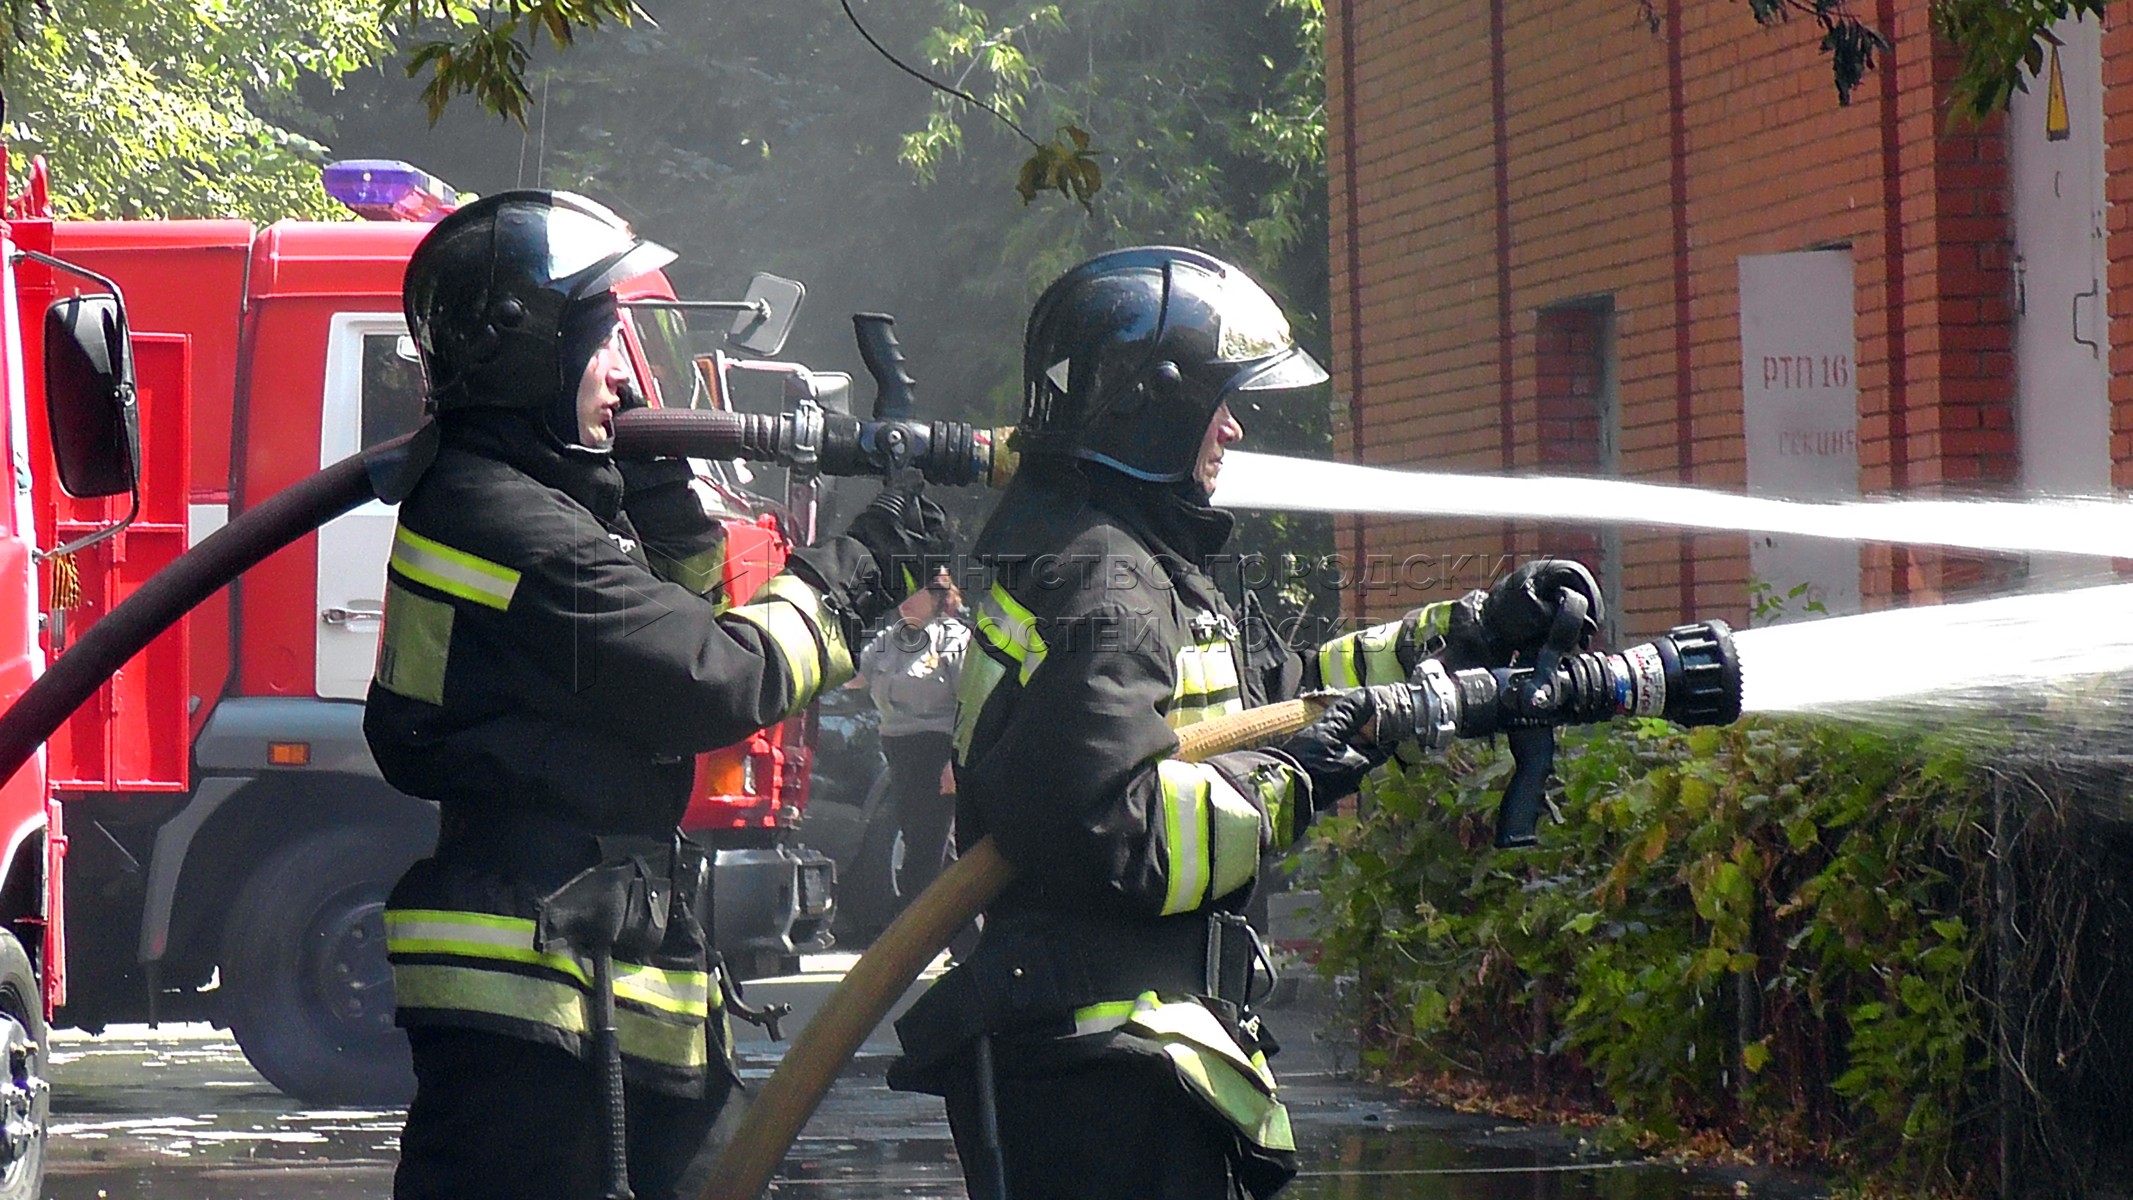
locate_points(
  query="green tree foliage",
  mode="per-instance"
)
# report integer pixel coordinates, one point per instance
(1800, 933)
(1756, 928)
(775, 138)
(488, 56)
(2002, 43)
(150, 108)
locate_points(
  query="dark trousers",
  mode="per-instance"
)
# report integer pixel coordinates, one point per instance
(501, 1117)
(925, 816)
(1119, 1129)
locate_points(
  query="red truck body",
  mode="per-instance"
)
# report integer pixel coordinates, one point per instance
(232, 839)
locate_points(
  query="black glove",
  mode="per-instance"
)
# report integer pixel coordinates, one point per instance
(908, 535)
(1337, 749)
(1517, 612)
(892, 548)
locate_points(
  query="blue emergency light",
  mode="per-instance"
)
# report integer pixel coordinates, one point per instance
(384, 189)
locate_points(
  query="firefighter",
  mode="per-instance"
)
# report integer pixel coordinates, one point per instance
(1100, 1040)
(540, 682)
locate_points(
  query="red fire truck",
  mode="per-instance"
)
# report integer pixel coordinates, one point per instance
(230, 842)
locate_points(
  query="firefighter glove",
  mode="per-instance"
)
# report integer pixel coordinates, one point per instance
(910, 539)
(1338, 749)
(1518, 610)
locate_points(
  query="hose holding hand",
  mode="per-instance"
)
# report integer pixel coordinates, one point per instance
(1339, 748)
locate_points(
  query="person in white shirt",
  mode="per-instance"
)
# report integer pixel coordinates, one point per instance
(911, 669)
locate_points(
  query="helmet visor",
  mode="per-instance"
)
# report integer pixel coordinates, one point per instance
(640, 259)
(590, 250)
(1294, 368)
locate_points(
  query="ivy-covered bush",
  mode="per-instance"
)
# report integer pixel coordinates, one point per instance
(1771, 932)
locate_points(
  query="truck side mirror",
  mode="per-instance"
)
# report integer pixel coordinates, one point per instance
(90, 398)
(762, 330)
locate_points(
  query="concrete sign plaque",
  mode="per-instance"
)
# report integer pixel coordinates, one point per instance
(1800, 413)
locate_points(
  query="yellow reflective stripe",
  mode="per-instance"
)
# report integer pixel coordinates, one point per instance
(511, 939)
(701, 572)
(1012, 629)
(473, 935)
(836, 655)
(1103, 1017)
(1257, 1115)
(808, 637)
(1237, 832)
(684, 993)
(1208, 684)
(453, 572)
(1377, 653)
(1275, 786)
(1184, 801)
(1434, 620)
(1207, 1058)
(415, 646)
(654, 1040)
(1192, 714)
(469, 989)
(1192, 675)
(794, 640)
(1364, 657)
(1218, 668)
(1187, 1021)
(981, 674)
(544, 1002)
(1336, 664)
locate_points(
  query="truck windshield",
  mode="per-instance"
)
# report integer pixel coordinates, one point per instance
(664, 334)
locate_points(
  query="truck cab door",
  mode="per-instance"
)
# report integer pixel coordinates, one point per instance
(134, 735)
(374, 393)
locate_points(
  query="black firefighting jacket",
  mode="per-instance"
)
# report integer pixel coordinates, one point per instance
(1099, 636)
(540, 682)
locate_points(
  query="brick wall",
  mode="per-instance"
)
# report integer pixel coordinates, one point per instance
(1492, 162)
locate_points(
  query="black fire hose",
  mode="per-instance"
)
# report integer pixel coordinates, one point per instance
(950, 453)
(191, 578)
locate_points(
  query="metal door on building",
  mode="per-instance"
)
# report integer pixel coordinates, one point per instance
(1800, 418)
(2062, 343)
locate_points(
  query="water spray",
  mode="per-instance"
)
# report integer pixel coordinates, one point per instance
(2055, 525)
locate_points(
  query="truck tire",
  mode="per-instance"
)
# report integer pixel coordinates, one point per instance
(307, 990)
(25, 1093)
(866, 891)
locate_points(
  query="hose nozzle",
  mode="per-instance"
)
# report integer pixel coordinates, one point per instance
(1690, 676)
(946, 452)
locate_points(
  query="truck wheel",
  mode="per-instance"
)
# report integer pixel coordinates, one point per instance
(307, 990)
(25, 1094)
(866, 891)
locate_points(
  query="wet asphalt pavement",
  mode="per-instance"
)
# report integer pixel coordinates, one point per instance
(179, 1114)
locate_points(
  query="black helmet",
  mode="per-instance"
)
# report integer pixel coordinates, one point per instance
(509, 297)
(1129, 355)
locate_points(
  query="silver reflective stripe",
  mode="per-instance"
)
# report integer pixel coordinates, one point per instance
(1237, 830)
(1184, 801)
(453, 572)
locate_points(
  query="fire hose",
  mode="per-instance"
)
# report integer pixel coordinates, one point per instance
(1691, 676)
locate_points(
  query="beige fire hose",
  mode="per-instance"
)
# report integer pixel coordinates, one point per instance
(888, 968)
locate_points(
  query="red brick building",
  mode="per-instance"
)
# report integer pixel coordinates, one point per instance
(1566, 241)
